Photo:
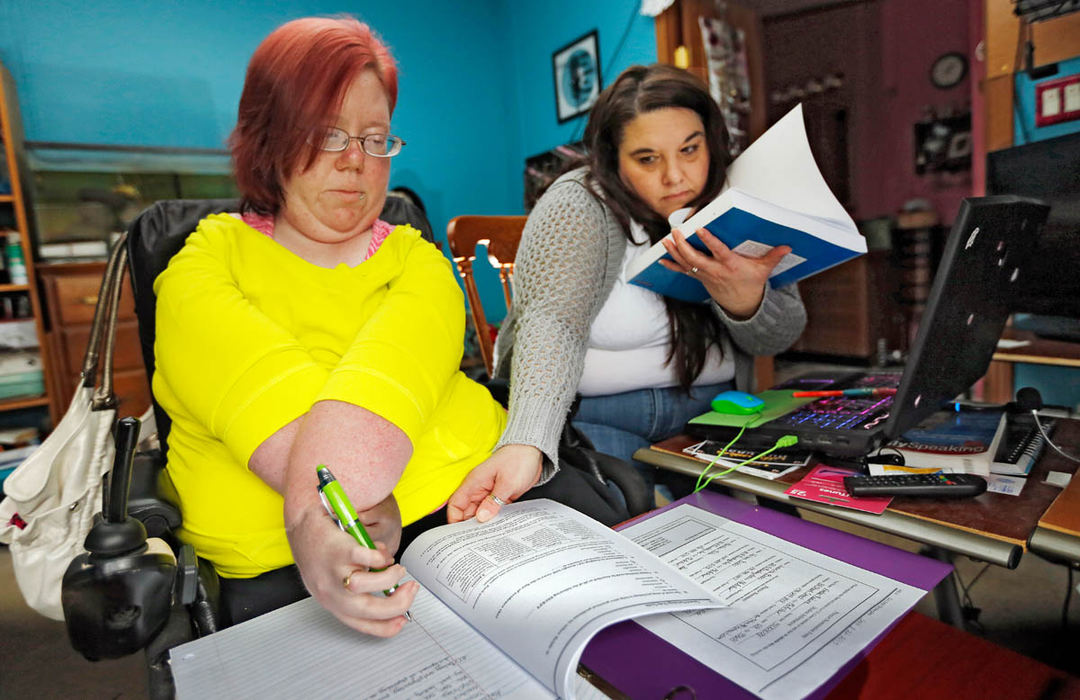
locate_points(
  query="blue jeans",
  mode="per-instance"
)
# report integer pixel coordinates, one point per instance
(621, 424)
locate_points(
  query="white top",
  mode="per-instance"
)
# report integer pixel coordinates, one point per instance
(629, 340)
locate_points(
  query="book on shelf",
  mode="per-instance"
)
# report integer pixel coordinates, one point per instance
(770, 466)
(19, 436)
(962, 440)
(507, 607)
(775, 195)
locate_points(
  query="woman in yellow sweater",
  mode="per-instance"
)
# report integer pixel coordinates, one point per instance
(303, 330)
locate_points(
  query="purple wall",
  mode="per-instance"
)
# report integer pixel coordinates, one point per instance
(884, 50)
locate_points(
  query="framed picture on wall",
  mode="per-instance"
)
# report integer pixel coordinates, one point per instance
(576, 68)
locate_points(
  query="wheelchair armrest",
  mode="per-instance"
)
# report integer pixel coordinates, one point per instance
(160, 517)
(197, 586)
(187, 575)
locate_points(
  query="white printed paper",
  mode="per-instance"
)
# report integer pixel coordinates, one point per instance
(1008, 485)
(793, 616)
(506, 610)
(756, 249)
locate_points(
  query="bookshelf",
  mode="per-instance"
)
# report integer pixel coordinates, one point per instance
(14, 215)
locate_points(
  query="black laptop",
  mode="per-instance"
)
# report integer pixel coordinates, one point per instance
(967, 310)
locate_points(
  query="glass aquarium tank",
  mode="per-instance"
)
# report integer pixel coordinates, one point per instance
(82, 197)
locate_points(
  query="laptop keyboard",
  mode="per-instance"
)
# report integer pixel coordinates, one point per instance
(841, 413)
(845, 412)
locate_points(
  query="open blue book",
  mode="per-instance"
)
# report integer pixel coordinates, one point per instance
(776, 195)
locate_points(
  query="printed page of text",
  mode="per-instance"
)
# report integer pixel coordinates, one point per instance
(541, 579)
(793, 616)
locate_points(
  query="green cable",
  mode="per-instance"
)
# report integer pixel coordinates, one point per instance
(698, 486)
(785, 441)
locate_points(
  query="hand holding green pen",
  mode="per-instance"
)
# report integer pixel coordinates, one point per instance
(338, 506)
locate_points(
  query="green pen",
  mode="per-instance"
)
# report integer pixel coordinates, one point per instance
(337, 505)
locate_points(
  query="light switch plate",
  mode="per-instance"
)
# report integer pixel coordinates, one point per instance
(1057, 100)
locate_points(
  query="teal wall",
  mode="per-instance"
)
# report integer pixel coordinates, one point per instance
(1058, 386)
(476, 92)
(538, 29)
(170, 74)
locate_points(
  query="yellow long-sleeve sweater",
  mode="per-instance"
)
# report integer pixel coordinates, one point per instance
(250, 336)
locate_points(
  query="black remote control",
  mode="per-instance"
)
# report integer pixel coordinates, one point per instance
(934, 485)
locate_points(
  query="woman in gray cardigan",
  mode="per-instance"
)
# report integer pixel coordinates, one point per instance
(644, 364)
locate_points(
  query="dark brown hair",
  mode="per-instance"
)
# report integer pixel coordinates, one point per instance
(639, 89)
(297, 76)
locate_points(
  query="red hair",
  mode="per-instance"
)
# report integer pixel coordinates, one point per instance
(297, 76)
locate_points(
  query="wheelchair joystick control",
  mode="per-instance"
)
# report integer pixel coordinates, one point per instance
(118, 594)
(115, 533)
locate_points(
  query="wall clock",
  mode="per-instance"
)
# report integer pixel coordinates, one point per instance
(948, 70)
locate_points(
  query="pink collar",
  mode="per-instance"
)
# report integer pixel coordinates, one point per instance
(265, 225)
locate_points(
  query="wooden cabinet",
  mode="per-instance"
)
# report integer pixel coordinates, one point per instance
(851, 310)
(14, 215)
(71, 293)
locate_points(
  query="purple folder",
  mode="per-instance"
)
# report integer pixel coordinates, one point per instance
(640, 664)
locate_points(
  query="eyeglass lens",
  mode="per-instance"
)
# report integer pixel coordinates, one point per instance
(334, 139)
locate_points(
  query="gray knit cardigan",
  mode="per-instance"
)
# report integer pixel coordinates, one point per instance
(570, 255)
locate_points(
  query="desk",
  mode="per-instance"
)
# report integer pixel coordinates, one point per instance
(1057, 535)
(992, 527)
(998, 386)
(919, 658)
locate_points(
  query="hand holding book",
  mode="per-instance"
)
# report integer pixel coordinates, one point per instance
(776, 198)
(735, 282)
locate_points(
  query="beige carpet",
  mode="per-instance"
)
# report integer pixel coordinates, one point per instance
(36, 660)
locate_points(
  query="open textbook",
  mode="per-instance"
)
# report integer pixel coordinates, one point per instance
(507, 608)
(775, 195)
(536, 583)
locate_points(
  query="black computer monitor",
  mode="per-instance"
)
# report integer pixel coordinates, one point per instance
(983, 262)
(1049, 171)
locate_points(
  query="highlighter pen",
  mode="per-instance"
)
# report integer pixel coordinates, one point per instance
(337, 505)
(843, 392)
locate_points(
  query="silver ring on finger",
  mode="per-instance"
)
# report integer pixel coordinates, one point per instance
(498, 501)
(693, 270)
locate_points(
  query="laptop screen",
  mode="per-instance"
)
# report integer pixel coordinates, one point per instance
(984, 254)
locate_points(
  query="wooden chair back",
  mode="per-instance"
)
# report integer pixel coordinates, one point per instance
(501, 234)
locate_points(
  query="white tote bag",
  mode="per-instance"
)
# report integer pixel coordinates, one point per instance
(52, 497)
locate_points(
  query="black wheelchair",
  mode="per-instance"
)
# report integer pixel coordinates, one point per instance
(137, 588)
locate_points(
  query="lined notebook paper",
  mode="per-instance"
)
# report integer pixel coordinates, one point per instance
(302, 651)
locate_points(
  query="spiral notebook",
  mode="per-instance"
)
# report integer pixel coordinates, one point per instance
(1020, 446)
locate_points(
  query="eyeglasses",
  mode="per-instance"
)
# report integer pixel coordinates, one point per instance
(331, 138)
